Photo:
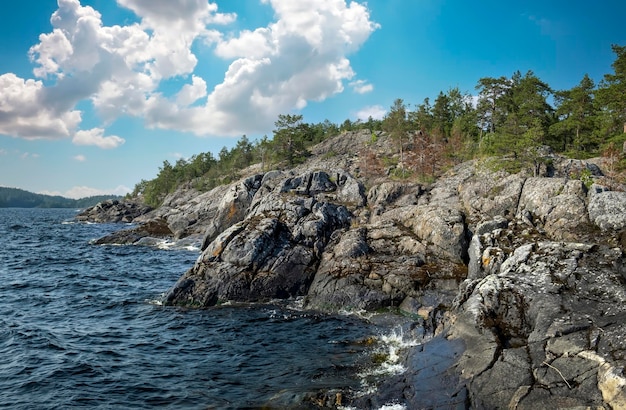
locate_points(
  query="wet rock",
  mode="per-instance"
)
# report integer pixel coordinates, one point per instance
(113, 211)
(529, 274)
(273, 253)
(155, 229)
(430, 381)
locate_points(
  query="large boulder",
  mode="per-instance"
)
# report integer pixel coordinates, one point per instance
(230, 207)
(607, 209)
(441, 228)
(557, 205)
(367, 269)
(382, 265)
(490, 194)
(274, 251)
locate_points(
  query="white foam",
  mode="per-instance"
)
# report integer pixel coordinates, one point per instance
(390, 347)
(393, 406)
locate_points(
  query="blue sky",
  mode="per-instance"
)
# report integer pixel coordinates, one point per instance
(96, 94)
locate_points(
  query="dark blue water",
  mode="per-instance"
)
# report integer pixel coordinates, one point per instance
(80, 328)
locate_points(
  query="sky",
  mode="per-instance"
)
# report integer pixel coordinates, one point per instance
(96, 94)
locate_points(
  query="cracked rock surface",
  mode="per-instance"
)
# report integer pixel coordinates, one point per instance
(522, 280)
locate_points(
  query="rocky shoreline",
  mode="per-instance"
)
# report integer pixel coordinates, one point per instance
(521, 279)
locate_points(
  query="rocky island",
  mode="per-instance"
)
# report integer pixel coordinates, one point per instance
(518, 279)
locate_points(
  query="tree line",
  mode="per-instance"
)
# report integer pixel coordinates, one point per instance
(512, 116)
(19, 198)
(506, 116)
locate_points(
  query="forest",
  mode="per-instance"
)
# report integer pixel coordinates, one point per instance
(18, 198)
(512, 117)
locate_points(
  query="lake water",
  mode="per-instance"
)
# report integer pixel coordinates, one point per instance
(81, 327)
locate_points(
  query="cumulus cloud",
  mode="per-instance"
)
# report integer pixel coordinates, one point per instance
(78, 192)
(302, 56)
(377, 112)
(95, 136)
(191, 93)
(23, 115)
(80, 158)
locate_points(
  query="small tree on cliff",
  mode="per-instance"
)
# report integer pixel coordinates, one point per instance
(396, 125)
(289, 139)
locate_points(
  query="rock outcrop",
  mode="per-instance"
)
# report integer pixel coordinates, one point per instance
(522, 279)
(113, 211)
(275, 250)
(543, 323)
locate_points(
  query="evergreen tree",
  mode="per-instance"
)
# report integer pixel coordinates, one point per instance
(422, 118)
(528, 113)
(490, 110)
(442, 116)
(611, 97)
(289, 138)
(576, 114)
(396, 125)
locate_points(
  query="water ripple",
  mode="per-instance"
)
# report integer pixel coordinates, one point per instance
(78, 330)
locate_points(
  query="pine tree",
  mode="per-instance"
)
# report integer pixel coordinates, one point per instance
(611, 97)
(396, 125)
(289, 137)
(576, 115)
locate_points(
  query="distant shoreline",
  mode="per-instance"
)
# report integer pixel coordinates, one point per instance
(19, 198)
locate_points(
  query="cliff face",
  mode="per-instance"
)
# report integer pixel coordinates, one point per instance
(528, 273)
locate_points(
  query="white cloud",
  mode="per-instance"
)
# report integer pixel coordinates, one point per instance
(80, 158)
(3, 151)
(361, 87)
(377, 112)
(78, 192)
(23, 115)
(302, 56)
(299, 58)
(191, 93)
(95, 136)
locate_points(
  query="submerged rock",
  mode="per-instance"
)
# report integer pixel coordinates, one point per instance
(155, 229)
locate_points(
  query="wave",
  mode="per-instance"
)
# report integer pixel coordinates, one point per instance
(388, 358)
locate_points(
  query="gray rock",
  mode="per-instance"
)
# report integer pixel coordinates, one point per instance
(608, 209)
(527, 326)
(272, 253)
(442, 228)
(154, 229)
(489, 194)
(113, 211)
(533, 306)
(231, 207)
(379, 266)
(558, 205)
